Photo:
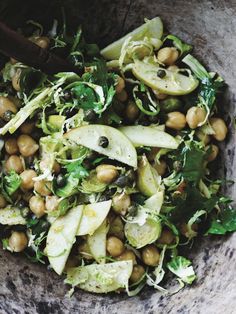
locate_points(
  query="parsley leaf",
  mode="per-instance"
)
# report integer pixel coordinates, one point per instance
(224, 222)
(193, 168)
(187, 205)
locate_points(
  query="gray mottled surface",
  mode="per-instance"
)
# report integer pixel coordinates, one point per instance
(211, 27)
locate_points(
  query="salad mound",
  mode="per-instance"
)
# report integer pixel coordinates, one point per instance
(108, 174)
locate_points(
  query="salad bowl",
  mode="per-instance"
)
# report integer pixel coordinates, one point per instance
(210, 25)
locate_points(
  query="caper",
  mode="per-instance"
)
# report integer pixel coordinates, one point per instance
(7, 116)
(67, 95)
(103, 141)
(90, 115)
(61, 180)
(122, 181)
(161, 73)
(21, 204)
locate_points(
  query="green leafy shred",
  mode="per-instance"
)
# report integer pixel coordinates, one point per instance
(11, 182)
(182, 268)
(179, 44)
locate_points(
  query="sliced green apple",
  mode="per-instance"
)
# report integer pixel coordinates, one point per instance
(97, 243)
(100, 278)
(152, 29)
(149, 136)
(93, 216)
(139, 236)
(154, 203)
(11, 216)
(148, 179)
(61, 237)
(172, 84)
(119, 146)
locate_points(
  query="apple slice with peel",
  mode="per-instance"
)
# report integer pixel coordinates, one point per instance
(172, 84)
(119, 146)
(150, 29)
(148, 179)
(93, 216)
(149, 136)
(97, 243)
(100, 278)
(61, 237)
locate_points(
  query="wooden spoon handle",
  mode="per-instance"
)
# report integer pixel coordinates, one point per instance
(13, 44)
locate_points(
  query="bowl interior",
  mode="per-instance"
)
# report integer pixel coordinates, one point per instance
(210, 26)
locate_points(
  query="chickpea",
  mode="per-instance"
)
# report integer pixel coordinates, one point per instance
(3, 202)
(122, 96)
(27, 182)
(115, 246)
(128, 255)
(137, 273)
(166, 237)
(11, 146)
(43, 187)
(168, 55)
(18, 241)
(214, 152)
(16, 101)
(16, 80)
(6, 105)
(195, 116)
(27, 146)
(120, 203)
(117, 228)
(131, 111)
(150, 255)
(159, 95)
(52, 203)
(205, 138)
(106, 173)
(219, 128)
(176, 120)
(27, 127)
(85, 251)
(37, 206)
(120, 84)
(160, 167)
(42, 42)
(14, 162)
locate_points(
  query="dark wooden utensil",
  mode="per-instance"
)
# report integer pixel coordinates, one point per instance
(13, 44)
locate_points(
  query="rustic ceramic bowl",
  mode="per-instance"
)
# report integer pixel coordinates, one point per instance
(211, 26)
